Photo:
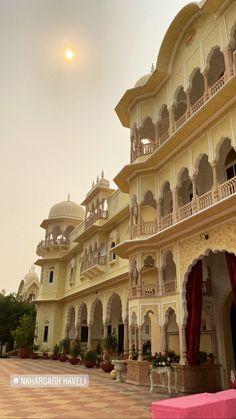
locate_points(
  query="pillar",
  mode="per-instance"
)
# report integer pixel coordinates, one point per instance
(164, 346)
(183, 345)
(188, 111)
(159, 214)
(140, 344)
(130, 343)
(215, 188)
(228, 62)
(206, 87)
(157, 134)
(89, 336)
(125, 348)
(175, 212)
(139, 220)
(78, 331)
(195, 197)
(172, 119)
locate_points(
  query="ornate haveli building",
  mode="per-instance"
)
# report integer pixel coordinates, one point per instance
(154, 260)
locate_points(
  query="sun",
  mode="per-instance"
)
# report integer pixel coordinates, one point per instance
(69, 54)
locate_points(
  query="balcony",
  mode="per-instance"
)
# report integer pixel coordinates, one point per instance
(202, 202)
(94, 266)
(152, 290)
(147, 149)
(51, 244)
(99, 214)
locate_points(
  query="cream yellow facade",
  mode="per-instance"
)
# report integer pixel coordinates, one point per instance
(125, 264)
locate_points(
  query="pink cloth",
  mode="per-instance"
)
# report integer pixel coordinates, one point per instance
(221, 405)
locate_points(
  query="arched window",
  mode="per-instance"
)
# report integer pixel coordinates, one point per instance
(51, 274)
(230, 164)
(112, 254)
(216, 67)
(180, 104)
(45, 331)
(197, 87)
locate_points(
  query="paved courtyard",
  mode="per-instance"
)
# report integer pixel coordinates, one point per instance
(104, 398)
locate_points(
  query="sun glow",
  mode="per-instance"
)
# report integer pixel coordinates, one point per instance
(69, 54)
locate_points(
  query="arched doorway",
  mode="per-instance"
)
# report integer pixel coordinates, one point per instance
(114, 319)
(217, 331)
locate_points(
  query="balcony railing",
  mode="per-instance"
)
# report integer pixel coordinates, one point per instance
(44, 244)
(183, 212)
(97, 260)
(99, 214)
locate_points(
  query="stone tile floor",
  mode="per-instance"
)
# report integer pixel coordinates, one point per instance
(103, 399)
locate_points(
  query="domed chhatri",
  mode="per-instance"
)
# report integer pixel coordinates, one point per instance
(143, 80)
(67, 209)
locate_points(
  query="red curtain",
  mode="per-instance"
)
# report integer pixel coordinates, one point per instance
(231, 262)
(194, 307)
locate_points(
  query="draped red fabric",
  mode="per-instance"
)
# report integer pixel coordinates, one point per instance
(231, 262)
(194, 307)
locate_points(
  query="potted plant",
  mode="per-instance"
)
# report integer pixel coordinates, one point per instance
(56, 351)
(90, 358)
(24, 335)
(65, 345)
(34, 352)
(110, 344)
(75, 352)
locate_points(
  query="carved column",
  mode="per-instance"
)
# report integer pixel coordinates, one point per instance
(228, 62)
(175, 212)
(183, 345)
(139, 220)
(131, 222)
(206, 87)
(140, 344)
(159, 214)
(188, 103)
(214, 344)
(139, 146)
(215, 187)
(195, 197)
(125, 348)
(234, 62)
(130, 343)
(78, 331)
(172, 119)
(89, 336)
(164, 346)
(157, 134)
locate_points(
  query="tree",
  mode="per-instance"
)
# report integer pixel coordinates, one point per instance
(12, 307)
(24, 333)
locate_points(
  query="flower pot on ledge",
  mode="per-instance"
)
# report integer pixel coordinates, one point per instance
(107, 366)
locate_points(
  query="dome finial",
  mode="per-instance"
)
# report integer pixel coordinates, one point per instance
(97, 179)
(102, 175)
(68, 197)
(93, 184)
(152, 68)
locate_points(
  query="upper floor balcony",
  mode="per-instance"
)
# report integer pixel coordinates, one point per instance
(98, 214)
(203, 87)
(196, 204)
(93, 265)
(61, 243)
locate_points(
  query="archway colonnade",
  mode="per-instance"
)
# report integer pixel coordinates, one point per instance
(203, 84)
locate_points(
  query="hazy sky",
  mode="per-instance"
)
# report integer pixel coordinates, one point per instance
(58, 125)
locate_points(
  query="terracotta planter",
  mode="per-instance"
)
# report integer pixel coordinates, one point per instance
(45, 356)
(54, 357)
(63, 358)
(24, 352)
(89, 364)
(107, 367)
(74, 360)
(34, 355)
